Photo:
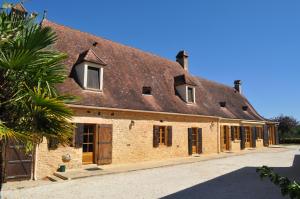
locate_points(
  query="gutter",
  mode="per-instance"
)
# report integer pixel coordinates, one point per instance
(165, 113)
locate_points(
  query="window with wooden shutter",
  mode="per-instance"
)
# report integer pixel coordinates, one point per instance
(232, 133)
(79, 135)
(199, 141)
(155, 136)
(169, 136)
(259, 132)
(190, 140)
(253, 137)
(235, 132)
(243, 137)
(266, 136)
(162, 135)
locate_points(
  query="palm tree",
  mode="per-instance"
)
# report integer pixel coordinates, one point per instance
(30, 106)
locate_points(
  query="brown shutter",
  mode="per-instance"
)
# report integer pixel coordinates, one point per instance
(232, 133)
(276, 135)
(103, 149)
(169, 134)
(190, 137)
(254, 137)
(266, 136)
(243, 137)
(222, 138)
(199, 140)
(79, 135)
(155, 136)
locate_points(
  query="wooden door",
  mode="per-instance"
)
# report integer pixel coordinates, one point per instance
(222, 133)
(18, 164)
(271, 135)
(194, 141)
(104, 144)
(248, 137)
(89, 131)
(225, 138)
(199, 141)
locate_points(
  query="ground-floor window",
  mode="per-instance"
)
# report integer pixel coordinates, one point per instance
(236, 132)
(259, 132)
(162, 135)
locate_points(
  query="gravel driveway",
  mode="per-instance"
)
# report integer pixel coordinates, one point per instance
(231, 177)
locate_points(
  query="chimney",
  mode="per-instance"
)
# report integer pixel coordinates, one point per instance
(238, 86)
(182, 59)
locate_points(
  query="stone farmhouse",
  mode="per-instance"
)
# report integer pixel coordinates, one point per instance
(135, 106)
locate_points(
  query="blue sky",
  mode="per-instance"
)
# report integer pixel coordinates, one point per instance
(257, 41)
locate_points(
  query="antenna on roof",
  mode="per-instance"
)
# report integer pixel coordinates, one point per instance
(44, 17)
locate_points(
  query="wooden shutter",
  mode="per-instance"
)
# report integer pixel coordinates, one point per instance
(266, 136)
(222, 145)
(190, 138)
(155, 136)
(232, 133)
(103, 148)
(243, 137)
(169, 134)
(253, 133)
(79, 135)
(276, 135)
(199, 147)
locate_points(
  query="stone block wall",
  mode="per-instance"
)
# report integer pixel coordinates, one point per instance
(48, 161)
(133, 138)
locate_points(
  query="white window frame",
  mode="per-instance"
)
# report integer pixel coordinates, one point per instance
(187, 95)
(86, 65)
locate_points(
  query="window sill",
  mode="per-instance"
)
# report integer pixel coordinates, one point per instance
(93, 90)
(190, 103)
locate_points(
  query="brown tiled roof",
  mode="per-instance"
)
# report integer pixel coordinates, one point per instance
(90, 56)
(130, 69)
(183, 79)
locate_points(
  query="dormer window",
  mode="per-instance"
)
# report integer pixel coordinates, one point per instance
(185, 88)
(147, 90)
(89, 71)
(93, 78)
(190, 94)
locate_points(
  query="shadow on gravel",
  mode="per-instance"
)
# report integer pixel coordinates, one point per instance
(243, 183)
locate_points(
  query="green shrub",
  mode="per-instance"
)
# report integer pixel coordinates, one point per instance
(290, 141)
(287, 187)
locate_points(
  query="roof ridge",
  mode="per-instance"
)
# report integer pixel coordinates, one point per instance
(213, 81)
(114, 42)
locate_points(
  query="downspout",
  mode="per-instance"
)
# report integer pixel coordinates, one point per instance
(35, 162)
(218, 136)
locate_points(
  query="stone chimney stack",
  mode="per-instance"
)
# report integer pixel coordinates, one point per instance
(238, 86)
(182, 59)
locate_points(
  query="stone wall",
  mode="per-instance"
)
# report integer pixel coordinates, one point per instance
(133, 138)
(236, 145)
(259, 143)
(48, 161)
(134, 142)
